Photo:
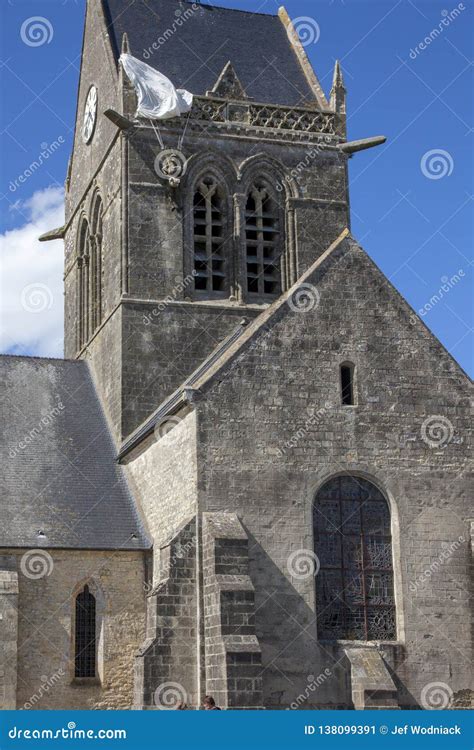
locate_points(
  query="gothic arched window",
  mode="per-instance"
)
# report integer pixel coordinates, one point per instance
(354, 586)
(96, 264)
(85, 635)
(83, 291)
(262, 241)
(209, 237)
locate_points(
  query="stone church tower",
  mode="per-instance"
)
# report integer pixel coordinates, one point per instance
(268, 497)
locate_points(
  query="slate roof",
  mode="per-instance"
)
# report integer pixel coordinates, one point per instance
(195, 53)
(58, 470)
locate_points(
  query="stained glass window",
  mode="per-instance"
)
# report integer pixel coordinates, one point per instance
(354, 587)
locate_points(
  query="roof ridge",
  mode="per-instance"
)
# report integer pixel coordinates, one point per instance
(40, 357)
(210, 6)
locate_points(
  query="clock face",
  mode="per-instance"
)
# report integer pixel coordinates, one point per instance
(90, 115)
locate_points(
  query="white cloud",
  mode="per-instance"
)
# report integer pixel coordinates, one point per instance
(31, 306)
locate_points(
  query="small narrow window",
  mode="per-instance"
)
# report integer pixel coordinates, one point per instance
(347, 384)
(262, 241)
(85, 641)
(209, 223)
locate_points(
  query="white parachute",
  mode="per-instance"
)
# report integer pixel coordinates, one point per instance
(158, 99)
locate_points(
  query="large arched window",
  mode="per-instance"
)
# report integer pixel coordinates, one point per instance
(262, 241)
(209, 237)
(85, 635)
(354, 587)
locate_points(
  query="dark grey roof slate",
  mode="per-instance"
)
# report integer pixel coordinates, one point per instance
(58, 470)
(194, 55)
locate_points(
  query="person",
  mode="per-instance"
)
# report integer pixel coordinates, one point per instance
(209, 704)
(181, 706)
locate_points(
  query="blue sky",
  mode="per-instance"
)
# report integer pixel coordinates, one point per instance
(411, 199)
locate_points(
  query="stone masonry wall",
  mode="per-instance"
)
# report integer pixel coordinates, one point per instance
(8, 631)
(233, 657)
(45, 631)
(166, 667)
(163, 479)
(272, 429)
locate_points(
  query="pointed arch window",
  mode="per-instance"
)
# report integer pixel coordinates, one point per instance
(83, 290)
(262, 241)
(96, 264)
(209, 237)
(85, 634)
(354, 586)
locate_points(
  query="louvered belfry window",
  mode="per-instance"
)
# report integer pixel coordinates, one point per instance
(262, 242)
(85, 641)
(354, 586)
(210, 274)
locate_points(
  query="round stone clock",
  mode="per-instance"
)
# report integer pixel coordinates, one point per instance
(90, 115)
